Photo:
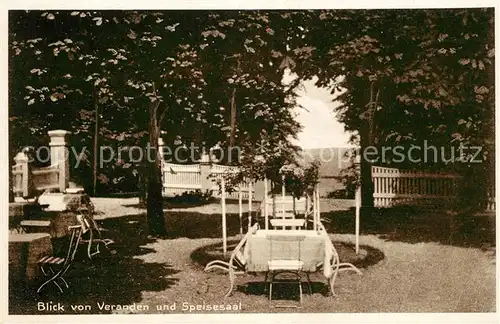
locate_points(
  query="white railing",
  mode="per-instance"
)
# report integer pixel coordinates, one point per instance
(178, 178)
(26, 182)
(393, 186)
(217, 171)
(46, 178)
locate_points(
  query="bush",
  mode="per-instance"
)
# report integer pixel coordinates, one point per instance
(341, 194)
(194, 197)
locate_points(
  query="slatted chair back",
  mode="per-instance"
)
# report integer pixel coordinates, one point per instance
(285, 247)
(286, 207)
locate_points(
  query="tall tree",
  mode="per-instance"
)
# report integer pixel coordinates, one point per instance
(397, 67)
(148, 71)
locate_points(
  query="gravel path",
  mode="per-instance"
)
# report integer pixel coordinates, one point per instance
(422, 277)
(118, 207)
(412, 278)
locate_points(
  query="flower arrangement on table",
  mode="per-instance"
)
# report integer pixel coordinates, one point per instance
(300, 180)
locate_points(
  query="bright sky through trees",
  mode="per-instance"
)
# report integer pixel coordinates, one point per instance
(320, 126)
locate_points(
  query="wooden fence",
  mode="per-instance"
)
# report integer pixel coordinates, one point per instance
(178, 178)
(391, 186)
(395, 187)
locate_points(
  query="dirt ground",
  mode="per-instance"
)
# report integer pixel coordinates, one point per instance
(159, 276)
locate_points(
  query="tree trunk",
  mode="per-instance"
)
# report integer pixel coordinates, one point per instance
(366, 140)
(366, 171)
(232, 137)
(156, 218)
(143, 182)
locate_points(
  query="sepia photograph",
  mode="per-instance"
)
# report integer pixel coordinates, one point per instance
(244, 161)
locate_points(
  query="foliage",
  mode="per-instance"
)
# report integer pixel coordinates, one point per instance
(412, 74)
(142, 71)
(405, 77)
(194, 197)
(301, 180)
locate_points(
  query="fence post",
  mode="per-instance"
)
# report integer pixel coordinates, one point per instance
(22, 160)
(205, 170)
(161, 145)
(59, 156)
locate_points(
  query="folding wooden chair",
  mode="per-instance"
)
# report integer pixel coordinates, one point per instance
(92, 233)
(54, 268)
(285, 258)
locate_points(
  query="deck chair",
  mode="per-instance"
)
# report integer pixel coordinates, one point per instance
(332, 265)
(54, 268)
(285, 258)
(237, 260)
(92, 233)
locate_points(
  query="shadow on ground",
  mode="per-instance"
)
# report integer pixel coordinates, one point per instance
(178, 203)
(195, 225)
(284, 289)
(205, 254)
(414, 226)
(115, 279)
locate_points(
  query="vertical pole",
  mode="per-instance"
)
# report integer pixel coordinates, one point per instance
(266, 211)
(273, 186)
(249, 204)
(307, 208)
(319, 205)
(358, 205)
(240, 206)
(223, 201)
(283, 195)
(358, 201)
(315, 207)
(96, 147)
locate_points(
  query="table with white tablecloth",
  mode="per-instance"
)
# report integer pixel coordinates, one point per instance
(315, 250)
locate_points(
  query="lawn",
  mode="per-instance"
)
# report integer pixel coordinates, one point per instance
(426, 270)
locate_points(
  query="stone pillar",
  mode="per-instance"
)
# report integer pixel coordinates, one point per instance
(59, 156)
(22, 161)
(205, 169)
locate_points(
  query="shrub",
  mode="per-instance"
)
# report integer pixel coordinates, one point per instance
(193, 197)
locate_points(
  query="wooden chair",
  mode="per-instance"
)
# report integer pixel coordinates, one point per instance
(54, 268)
(92, 233)
(286, 208)
(294, 224)
(285, 258)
